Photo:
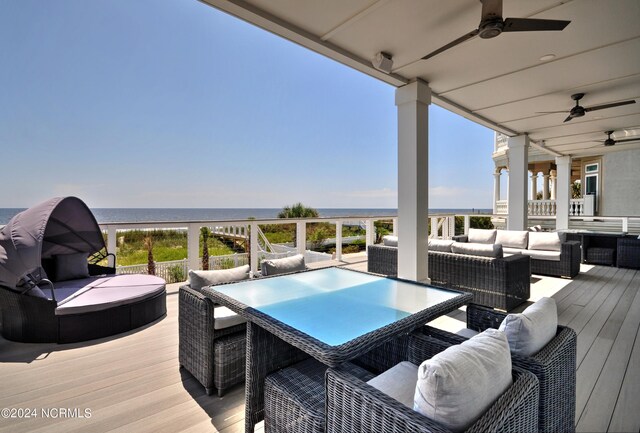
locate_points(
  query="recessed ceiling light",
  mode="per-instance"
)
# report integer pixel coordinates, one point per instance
(547, 57)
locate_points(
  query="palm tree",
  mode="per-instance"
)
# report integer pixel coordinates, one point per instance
(151, 264)
(205, 232)
(298, 210)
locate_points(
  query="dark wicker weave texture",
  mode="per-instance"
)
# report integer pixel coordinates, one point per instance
(295, 397)
(216, 365)
(554, 366)
(354, 406)
(500, 283)
(629, 253)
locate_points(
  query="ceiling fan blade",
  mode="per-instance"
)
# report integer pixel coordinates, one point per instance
(568, 118)
(533, 25)
(460, 40)
(551, 112)
(628, 140)
(614, 104)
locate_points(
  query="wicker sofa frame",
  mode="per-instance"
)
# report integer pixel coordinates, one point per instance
(628, 252)
(568, 266)
(495, 282)
(554, 366)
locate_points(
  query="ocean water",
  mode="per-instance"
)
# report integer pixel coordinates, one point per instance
(115, 215)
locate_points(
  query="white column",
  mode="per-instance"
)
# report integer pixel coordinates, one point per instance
(370, 233)
(301, 237)
(552, 180)
(545, 186)
(338, 240)
(534, 186)
(563, 193)
(112, 244)
(496, 190)
(467, 224)
(395, 227)
(253, 247)
(518, 154)
(413, 102)
(193, 246)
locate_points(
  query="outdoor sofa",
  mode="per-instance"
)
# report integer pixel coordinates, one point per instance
(550, 253)
(212, 338)
(496, 281)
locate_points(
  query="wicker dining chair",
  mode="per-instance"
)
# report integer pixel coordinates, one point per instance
(554, 366)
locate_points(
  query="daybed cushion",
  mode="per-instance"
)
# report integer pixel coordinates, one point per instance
(225, 318)
(507, 250)
(283, 266)
(390, 241)
(512, 238)
(482, 236)
(71, 266)
(459, 384)
(542, 255)
(473, 249)
(531, 330)
(200, 279)
(548, 241)
(441, 245)
(399, 382)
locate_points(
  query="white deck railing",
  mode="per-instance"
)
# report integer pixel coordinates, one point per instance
(544, 207)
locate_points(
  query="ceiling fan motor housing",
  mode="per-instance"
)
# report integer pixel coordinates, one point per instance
(490, 28)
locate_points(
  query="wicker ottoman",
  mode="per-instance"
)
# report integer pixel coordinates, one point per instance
(629, 253)
(229, 361)
(294, 397)
(601, 256)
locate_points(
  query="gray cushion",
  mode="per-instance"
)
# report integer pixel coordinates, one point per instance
(482, 236)
(283, 266)
(71, 266)
(549, 241)
(441, 245)
(200, 279)
(512, 238)
(553, 256)
(534, 328)
(226, 318)
(511, 251)
(390, 241)
(459, 384)
(473, 249)
(398, 382)
(36, 292)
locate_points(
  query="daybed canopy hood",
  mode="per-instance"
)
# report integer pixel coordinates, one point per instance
(61, 225)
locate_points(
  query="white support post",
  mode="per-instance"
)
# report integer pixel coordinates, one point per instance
(434, 227)
(534, 186)
(563, 193)
(518, 154)
(338, 240)
(554, 183)
(370, 234)
(301, 237)
(394, 227)
(467, 224)
(112, 244)
(496, 190)
(413, 102)
(545, 186)
(253, 249)
(625, 224)
(193, 246)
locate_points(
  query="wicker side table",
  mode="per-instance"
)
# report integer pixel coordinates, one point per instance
(601, 256)
(629, 253)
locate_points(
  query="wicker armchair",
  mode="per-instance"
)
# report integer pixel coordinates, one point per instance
(215, 357)
(554, 366)
(352, 405)
(495, 282)
(629, 252)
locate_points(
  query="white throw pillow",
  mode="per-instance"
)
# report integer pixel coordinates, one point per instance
(390, 241)
(200, 279)
(549, 241)
(283, 266)
(473, 249)
(512, 238)
(534, 328)
(459, 384)
(482, 236)
(441, 245)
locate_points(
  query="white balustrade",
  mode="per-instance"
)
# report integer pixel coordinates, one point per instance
(544, 207)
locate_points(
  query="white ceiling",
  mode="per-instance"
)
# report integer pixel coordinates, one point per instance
(501, 82)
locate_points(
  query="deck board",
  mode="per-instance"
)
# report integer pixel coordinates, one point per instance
(132, 382)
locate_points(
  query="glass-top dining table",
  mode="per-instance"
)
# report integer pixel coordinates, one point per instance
(332, 314)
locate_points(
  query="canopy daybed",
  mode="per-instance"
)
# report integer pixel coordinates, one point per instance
(51, 286)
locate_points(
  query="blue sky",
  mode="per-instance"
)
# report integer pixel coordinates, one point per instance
(172, 103)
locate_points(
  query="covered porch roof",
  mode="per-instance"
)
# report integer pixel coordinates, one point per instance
(501, 83)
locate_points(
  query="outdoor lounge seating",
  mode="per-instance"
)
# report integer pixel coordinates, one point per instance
(498, 282)
(212, 343)
(554, 366)
(550, 255)
(300, 399)
(49, 292)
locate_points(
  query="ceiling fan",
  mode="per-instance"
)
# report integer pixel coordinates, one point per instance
(611, 142)
(492, 24)
(579, 111)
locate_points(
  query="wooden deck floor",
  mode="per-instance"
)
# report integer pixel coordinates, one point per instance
(131, 383)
